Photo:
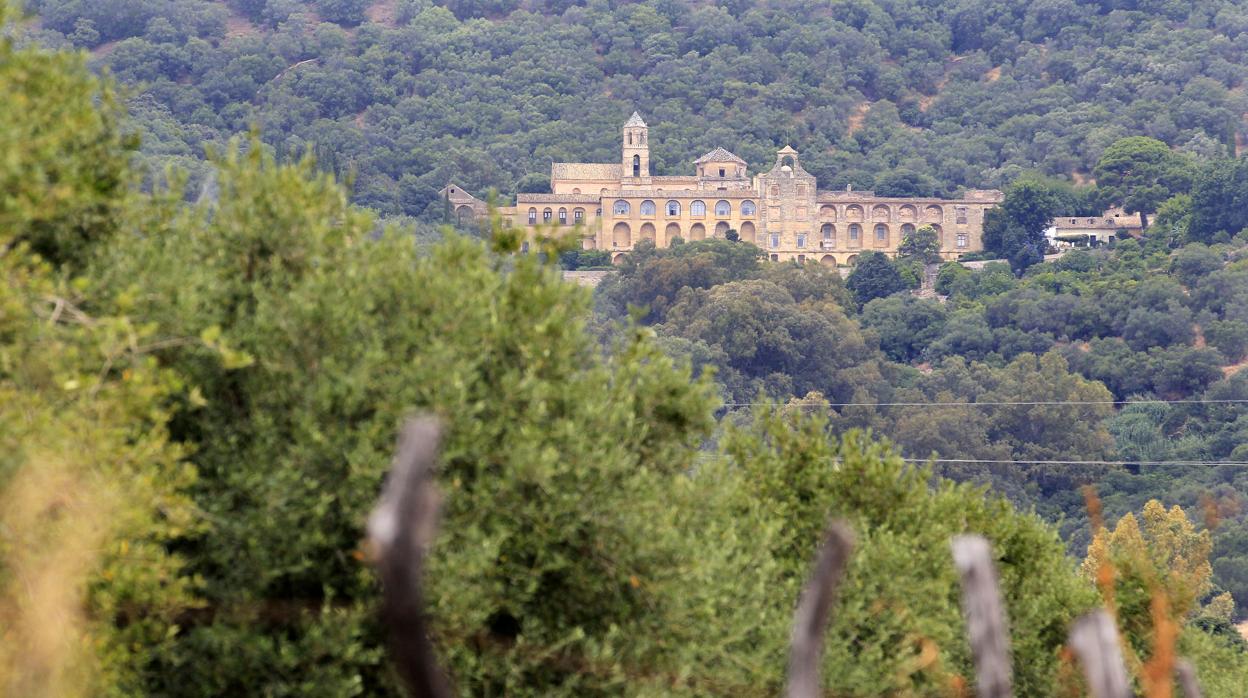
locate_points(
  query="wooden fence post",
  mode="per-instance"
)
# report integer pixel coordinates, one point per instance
(810, 621)
(985, 616)
(1094, 640)
(400, 528)
(1187, 678)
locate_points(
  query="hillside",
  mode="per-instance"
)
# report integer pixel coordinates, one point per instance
(408, 95)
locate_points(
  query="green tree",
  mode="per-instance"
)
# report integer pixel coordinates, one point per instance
(1139, 173)
(906, 325)
(1015, 230)
(922, 245)
(874, 276)
(65, 173)
(1220, 200)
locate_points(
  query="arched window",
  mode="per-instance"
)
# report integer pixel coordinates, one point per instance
(748, 208)
(907, 229)
(576, 191)
(532, 216)
(622, 208)
(647, 208)
(881, 233)
(697, 208)
(828, 231)
(673, 208)
(546, 214)
(578, 215)
(723, 208)
(636, 165)
(563, 216)
(855, 232)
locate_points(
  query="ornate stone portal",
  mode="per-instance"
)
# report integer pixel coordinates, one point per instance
(781, 210)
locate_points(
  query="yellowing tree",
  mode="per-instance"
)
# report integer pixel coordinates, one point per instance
(1167, 554)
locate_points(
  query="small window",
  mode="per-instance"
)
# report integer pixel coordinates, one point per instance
(532, 216)
(721, 173)
(961, 215)
(775, 240)
(801, 241)
(826, 231)
(961, 240)
(673, 208)
(801, 259)
(576, 191)
(622, 208)
(578, 215)
(775, 190)
(598, 212)
(647, 208)
(723, 208)
(546, 214)
(855, 231)
(881, 233)
(563, 216)
(697, 208)
(748, 208)
(775, 258)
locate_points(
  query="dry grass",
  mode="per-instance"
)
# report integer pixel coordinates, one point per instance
(56, 520)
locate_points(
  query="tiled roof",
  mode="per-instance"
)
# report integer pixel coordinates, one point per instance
(584, 170)
(634, 120)
(718, 155)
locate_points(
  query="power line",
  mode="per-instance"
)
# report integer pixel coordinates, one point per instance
(1003, 403)
(1073, 462)
(1024, 461)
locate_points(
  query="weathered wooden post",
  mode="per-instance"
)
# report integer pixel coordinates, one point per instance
(1094, 640)
(1187, 678)
(810, 622)
(400, 529)
(985, 616)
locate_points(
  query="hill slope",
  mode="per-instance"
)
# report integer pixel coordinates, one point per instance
(409, 94)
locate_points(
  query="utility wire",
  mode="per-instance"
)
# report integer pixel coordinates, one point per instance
(1074, 462)
(1034, 403)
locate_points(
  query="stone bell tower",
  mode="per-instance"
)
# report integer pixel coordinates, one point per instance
(636, 148)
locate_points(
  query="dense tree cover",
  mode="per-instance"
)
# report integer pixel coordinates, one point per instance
(911, 99)
(215, 390)
(1138, 320)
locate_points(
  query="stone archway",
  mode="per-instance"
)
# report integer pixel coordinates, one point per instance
(647, 232)
(618, 259)
(748, 233)
(827, 260)
(671, 231)
(933, 214)
(621, 235)
(853, 259)
(697, 232)
(721, 229)
(463, 215)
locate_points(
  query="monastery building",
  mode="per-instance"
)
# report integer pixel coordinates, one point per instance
(620, 204)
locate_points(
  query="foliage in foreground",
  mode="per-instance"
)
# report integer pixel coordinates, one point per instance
(225, 387)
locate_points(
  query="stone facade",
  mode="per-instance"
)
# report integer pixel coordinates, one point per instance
(781, 210)
(1093, 231)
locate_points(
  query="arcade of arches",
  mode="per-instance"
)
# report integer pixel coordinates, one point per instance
(781, 210)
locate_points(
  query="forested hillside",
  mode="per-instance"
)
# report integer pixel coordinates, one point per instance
(904, 97)
(201, 383)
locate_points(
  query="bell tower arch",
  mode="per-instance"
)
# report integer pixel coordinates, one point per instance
(636, 148)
